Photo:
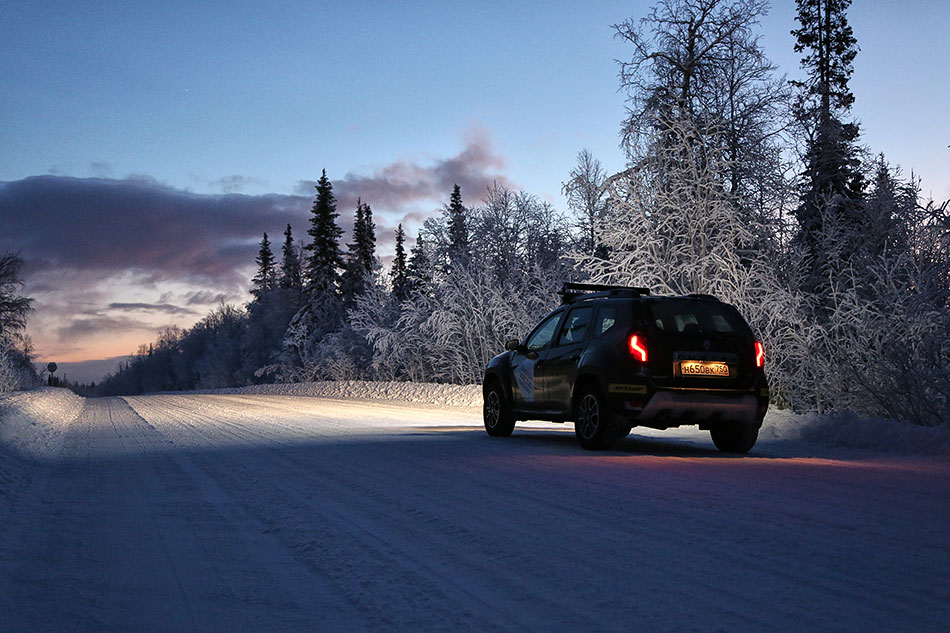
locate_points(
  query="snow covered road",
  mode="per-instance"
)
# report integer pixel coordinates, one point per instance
(279, 513)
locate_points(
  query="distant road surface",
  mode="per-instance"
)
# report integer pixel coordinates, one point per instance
(275, 513)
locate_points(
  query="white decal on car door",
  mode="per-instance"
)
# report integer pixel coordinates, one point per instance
(524, 376)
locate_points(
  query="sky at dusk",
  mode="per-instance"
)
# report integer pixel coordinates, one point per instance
(145, 147)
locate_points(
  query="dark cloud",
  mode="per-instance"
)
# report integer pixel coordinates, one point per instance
(152, 307)
(96, 325)
(140, 225)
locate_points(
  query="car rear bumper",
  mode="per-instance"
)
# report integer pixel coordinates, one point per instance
(674, 408)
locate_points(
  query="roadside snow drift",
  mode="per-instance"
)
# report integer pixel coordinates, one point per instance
(33, 423)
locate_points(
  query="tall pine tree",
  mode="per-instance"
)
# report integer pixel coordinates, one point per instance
(399, 272)
(361, 253)
(419, 270)
(266, 274)
(459, 253)
(290, 265)
(830, 209)
(325, 259)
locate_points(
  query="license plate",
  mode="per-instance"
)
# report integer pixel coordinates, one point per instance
(704, 368)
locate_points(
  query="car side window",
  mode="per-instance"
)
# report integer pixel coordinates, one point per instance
(606, 319)
(576, 326)
(542, 335)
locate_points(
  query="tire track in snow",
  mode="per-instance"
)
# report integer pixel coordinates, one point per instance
(780, 570)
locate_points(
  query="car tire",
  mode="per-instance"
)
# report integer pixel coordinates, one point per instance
(496, 412)
(735, 437)
(591, 422)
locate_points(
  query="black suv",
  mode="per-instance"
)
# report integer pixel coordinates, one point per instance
(611, 358)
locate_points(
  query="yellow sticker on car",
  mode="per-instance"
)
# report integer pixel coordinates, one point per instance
(634, 389)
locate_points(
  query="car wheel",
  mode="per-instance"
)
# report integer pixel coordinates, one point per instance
(735, 437)
(591, 424)
(499, 420)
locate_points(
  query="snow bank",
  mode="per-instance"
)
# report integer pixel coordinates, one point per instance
(32, 428)
(849, 430)
(33, 423)
(428, 393)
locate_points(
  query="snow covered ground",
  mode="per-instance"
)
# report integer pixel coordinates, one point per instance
(262, 512)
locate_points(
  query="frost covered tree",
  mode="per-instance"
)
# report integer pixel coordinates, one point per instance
(700, 61)
(419, 272)
(14, 309)
(16, 369)
(676, 229)
(266, 277)
(16, 365)
(892, 214)
(455, 317)
(587, 198)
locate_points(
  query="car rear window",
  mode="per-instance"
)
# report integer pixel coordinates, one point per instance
(606, 319)
(685, 316)
(575, 329)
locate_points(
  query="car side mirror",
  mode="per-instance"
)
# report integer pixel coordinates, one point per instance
(512, 345)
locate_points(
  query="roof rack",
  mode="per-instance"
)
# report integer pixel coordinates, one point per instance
(571, 292)
(701, 295)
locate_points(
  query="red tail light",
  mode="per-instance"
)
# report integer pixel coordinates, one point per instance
(638, 347)
(759, 355)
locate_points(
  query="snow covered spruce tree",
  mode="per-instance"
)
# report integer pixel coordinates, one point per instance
(831, 198)
(290, 274)
(322, 310)
(458, 245)
(361, 260)
(266, 277)
(399, 273)
(419, 271)
(344, 354)
(276, 295)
